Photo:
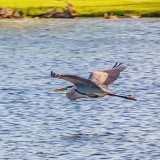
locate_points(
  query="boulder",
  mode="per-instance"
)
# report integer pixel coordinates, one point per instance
(110, 16)
(67, 12)
(9, 13)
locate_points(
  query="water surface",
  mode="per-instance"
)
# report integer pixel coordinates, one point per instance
(38, 124)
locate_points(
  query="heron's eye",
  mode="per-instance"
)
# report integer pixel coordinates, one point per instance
(70, 87)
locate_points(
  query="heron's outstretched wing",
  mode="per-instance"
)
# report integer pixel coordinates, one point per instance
(83, 85)
(73, 79)
(107, 77)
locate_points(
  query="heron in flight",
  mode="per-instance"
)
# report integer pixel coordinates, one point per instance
(95, 86)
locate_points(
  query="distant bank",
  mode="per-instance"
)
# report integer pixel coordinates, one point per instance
(82, 8)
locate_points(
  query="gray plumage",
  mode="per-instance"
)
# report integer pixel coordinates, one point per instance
(95, 86)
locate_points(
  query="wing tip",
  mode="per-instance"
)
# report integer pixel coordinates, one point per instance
(117, 64)
(54, 75)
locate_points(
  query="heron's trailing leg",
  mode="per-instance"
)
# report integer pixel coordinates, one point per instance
(129, 97)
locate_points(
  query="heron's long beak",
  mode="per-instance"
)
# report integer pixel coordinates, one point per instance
(59, 90)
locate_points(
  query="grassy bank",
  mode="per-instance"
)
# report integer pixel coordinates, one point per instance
(90, 8)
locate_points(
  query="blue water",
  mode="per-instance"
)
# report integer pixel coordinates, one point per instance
(36, 123)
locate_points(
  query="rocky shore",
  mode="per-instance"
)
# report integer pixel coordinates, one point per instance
(9, 13)
(67, 12)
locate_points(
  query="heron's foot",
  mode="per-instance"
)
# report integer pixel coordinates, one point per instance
(131, 97)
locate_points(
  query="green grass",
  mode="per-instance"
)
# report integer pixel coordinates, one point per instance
(91, 8)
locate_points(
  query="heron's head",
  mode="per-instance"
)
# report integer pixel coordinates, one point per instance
(67, 89)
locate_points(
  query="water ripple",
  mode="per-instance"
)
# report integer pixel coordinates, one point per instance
(39, 124)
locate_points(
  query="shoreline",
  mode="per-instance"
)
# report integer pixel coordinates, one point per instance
(94, 8)
(36, 12)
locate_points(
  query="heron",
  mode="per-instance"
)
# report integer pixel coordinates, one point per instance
(95, 86)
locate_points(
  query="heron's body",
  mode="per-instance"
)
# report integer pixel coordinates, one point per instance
(73, 94)
(95, 86)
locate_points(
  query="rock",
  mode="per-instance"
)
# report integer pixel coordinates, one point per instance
(131, 16)
(48, 14)
(67, 12)
(135, 17)
(110, 16)
(9, 13)
(16, 14)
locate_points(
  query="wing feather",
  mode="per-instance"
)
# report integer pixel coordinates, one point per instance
(84, 85)
(107, 77)
(73, 79)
